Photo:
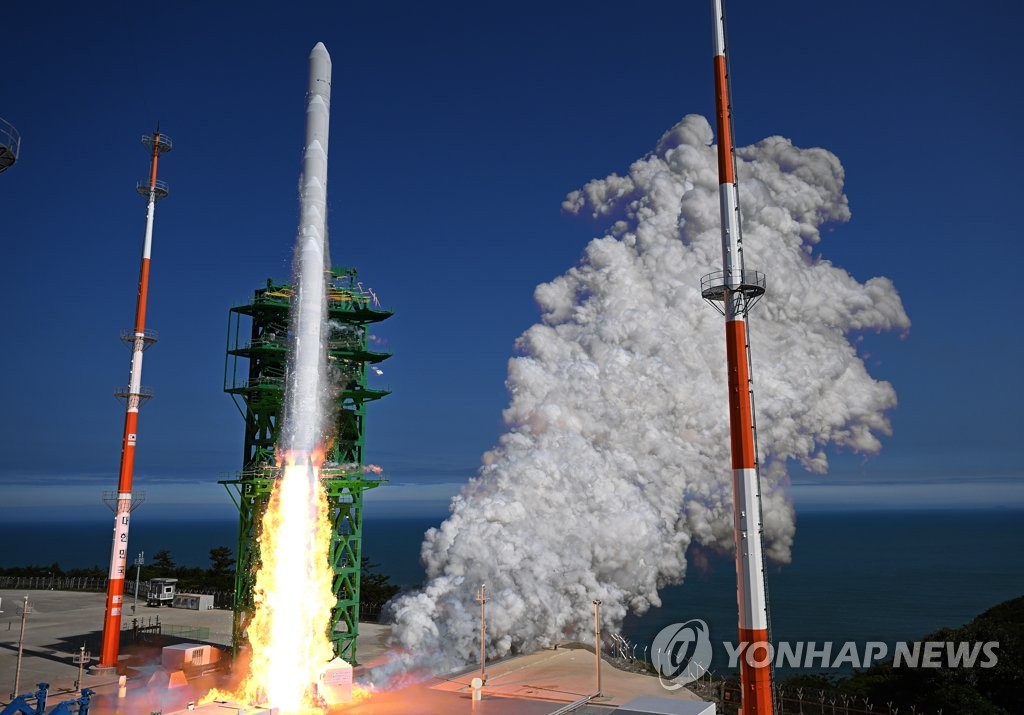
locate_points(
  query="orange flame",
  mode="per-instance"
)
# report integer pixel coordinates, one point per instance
(293, 595)
(360, 693)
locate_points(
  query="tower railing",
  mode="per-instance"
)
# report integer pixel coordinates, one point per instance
(715, 286)
(10, 144)
(160, 189)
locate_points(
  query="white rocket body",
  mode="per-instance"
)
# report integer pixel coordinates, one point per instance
(307, 373)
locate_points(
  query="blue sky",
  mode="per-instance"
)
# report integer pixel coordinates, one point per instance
(457, 130)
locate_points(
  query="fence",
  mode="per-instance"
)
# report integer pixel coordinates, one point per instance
(142, 629)
(371, 611)
(53, 583)
(221, 599)
(725, 692)
(795, 701)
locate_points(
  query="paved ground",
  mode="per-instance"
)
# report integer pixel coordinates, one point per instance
(563, 676)
(60, 622)
(536, 684)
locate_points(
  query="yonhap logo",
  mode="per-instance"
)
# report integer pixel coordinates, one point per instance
(681, 653)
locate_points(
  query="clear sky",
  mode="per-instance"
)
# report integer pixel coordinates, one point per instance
(457, 130)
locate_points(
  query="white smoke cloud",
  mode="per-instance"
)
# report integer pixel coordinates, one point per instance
(616, 457)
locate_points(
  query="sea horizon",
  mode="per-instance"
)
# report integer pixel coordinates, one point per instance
(862, 575)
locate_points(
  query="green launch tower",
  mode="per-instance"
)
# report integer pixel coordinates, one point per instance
(254, 376)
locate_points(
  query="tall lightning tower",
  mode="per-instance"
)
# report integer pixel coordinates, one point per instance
(134, 395)
(733, 290)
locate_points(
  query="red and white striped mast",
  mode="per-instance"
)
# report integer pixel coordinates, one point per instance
(134, 395)
(737, 289)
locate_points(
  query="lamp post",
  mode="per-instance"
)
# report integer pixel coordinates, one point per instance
(82, 659)
(25, 609)
(482, 599)
(139, 562)
(597, 644)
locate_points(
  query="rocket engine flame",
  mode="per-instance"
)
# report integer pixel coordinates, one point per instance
(293, 594)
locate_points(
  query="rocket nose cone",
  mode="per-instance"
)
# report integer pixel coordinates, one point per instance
(320, 72)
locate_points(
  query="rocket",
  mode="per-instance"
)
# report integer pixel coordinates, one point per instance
(307, 370)
(737, 289)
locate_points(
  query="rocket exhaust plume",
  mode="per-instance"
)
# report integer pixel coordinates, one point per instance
(293, 593)
(612, 464)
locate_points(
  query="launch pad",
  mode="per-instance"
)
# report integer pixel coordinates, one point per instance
(540, 683)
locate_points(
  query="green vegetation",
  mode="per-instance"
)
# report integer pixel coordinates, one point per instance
(53, 570)
(220, 575)
(376, 588)
(977, 690)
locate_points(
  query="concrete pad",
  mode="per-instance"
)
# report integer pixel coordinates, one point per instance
(372, 641)
(662, 706)
(564, 676)
(534, 684)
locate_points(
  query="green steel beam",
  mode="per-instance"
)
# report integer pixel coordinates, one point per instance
(258, 390)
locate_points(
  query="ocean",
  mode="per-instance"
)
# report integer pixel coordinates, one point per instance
(392, 543)
(862, 576)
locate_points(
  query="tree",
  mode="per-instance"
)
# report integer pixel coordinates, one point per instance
(994, 688)
(375, 589)
(221, 561)
(163, 562)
